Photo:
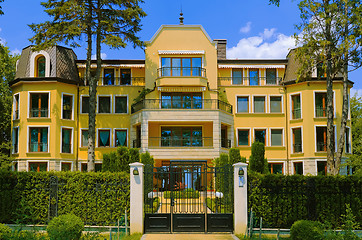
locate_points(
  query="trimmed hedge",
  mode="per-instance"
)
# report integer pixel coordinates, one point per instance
(281, 200)
(98, 198)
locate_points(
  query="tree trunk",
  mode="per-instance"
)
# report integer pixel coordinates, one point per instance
(329, 80)
(92, 94)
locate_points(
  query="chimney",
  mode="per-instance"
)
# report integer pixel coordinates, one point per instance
(221, 48)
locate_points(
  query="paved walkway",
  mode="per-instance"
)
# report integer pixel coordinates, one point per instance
(188, 236)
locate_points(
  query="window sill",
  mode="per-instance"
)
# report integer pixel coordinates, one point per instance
(301, 154)
(275, 148)
(67, 153)
(38, 118)
(67, 119)
(320, 153)
(296, 120)
(15, 120)
(38, 153)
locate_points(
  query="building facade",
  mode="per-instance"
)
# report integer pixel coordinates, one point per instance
(184, 101)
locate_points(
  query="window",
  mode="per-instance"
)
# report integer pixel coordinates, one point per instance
(296, 107)
(97, 167)
(321, 71)
(104, 104)
(259, 104)
(181, 137)
(181, 100)
(297, 140)
(121, 104)
(322, 138)
(125, 76)
(237, 78)
(67, 106)
(85, 104)
(275, 104)
(260, 135)
(276, 137)
(322, 168)
(16, 107)
(271, 76)
(84, 167)
(108, 76)
(243, 137)
(298, 168)
(320, 104)
(253, 77)
(38, 166)
(38, 139)
(181, 67)
(120, 138)
(84, 138)
(40, 66)
(66, 166)
(15, 140)
(348, 145)
(66, 140)
(104, 138)
(39, 103)
(275, 168)
(243, 104)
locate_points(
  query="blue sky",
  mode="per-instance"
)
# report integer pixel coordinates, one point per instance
(253, 28)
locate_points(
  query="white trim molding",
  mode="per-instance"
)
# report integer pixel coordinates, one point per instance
(67, 94)
(33, 57)
(71, 139)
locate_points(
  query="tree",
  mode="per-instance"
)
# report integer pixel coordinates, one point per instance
(1, 11)
(7, 74)
(112, 22)
(257, 160)
(330, 39)
(234, 156)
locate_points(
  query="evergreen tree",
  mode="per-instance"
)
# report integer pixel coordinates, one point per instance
(257, 160)
(112, 22)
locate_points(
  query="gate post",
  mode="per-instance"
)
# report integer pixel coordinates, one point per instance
(136, 197)
(240, 198)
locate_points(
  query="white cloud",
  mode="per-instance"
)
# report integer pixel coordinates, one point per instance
(246, 28)
(15, 52)
(356, 91)
(258, 47)
(103, 56)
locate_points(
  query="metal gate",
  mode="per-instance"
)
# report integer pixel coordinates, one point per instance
(188, 196)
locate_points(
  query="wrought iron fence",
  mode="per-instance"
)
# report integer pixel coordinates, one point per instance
(181, 72)
(119, 81)
(180, 142)
(36, 112)
(225, 81)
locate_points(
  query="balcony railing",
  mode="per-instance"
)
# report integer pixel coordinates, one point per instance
(38, 147)
(297, 148)
(181, 72)
(118, 81)
(66, 148)
(225, 143)
(180, 142)
(178, 104)
(297, 113)
(321, 147)
(320, 112)
(36, 112)
(249, 81)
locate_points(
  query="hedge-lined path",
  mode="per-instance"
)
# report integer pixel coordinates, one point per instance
(189, 236)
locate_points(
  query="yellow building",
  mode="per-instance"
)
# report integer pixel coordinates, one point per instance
(198, 105)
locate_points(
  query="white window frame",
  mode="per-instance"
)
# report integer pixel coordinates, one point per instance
(110, 102)
(349, 141)
(110, 137)
(28, 105)
(266, 134)
(249, 102)
(71, 165)
(114, 74)
(282, 103)
(114, 103)
(13, 135)
(315, 137)
(283, 138)
(14, 106)
(248, 76)
(314, 103)
(237, 137)
(316, 164)
(34, 56)
(298, 161)
(81, 103)
(291, 140)
(265, 103)
(72, 95)
(80, 137)
(291, 105)
(28, 135)
(114, 134)
(33, 161)
(71, 139)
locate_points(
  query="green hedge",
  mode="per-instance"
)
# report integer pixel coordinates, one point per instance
(98, 198)
(281, 200)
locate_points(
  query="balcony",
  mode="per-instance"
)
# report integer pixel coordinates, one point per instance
(38, 147)
(66, 147)
(248, 81)
(39, 112)
(321, 146)
(185, 76)
(225, 143)
(297, 148)
(180, 142)
(118, 81)
(296, 113)
(167, 104)
(320, 112)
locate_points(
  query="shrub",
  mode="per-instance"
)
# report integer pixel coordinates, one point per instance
(4, 230)
(134, 155)
(146, 158)
(119, 161)
(306, 230)
(234, 156)
(257, 161)
(109, 161)
(65, 227)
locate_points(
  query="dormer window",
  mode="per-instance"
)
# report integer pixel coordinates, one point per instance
(40, 66)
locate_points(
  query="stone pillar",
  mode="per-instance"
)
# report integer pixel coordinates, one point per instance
(240, 199)
(136, 198)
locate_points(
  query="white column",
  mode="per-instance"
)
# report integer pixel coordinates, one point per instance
(240, 199)
(136, 198)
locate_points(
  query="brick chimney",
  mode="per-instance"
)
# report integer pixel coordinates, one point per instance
(221, 48)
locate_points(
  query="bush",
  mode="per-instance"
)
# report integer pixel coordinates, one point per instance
(234, 156)
(65, 227)
(147, 159)
(306, 230)
(119, 161)
(4, 230)
(257, 161)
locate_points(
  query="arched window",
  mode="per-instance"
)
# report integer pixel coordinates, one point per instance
(40, 66)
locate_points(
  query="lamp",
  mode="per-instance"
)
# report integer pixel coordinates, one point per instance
(135, 171)
(241, 171)
(241, 177)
